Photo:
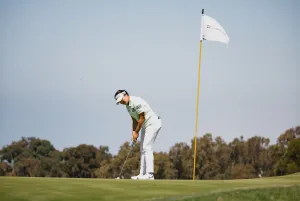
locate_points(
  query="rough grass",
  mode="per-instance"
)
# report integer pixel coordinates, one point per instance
(59, 189)
(291, 193)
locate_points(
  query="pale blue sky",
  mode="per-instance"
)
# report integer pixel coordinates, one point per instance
(62, 61)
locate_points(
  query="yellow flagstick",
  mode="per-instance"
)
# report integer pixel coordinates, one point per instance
(197, 102)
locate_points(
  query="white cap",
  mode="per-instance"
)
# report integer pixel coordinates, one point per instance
(119, 97)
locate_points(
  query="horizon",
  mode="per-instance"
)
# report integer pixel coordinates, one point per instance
(188, 143)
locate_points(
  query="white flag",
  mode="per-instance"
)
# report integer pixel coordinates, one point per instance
(212, 30)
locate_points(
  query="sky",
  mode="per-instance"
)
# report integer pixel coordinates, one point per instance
(62, 61)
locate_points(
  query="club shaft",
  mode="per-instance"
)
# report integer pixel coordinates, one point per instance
(125, 161)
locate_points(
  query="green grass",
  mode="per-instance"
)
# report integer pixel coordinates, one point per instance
(267, 194)
(59, 189)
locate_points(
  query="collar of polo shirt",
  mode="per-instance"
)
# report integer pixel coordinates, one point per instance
(130, 102)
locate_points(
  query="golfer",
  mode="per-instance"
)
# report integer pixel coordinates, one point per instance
(146, 121)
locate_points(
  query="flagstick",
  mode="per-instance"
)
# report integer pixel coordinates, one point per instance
(197, 102)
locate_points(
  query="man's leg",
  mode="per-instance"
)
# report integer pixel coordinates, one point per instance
(149, 139)
(148, 150)
(143, 161)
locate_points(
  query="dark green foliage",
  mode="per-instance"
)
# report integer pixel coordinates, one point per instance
(290, 161)
(215, 159)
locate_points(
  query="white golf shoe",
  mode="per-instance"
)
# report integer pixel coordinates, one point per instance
(136, 177)
(147, 176)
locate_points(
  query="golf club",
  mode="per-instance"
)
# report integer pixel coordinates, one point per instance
(131, 145)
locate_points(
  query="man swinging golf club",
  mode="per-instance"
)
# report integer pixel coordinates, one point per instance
(145, 120)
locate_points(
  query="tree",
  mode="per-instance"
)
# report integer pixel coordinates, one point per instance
(181, 158)
(290, 161)
(5, 169)
(81, 161)
(241, 171)
(288, 135)
(163, 166)
(105, 169)
(222, 156)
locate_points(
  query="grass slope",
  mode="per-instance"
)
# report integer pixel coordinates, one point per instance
(290, 193)
(60, 189)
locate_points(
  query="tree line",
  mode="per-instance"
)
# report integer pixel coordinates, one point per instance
(215, 159)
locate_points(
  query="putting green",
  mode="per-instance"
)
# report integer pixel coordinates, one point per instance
(69, 189)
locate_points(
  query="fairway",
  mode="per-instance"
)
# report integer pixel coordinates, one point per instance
(69, 189)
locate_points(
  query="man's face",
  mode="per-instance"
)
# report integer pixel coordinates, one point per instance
(124, 100)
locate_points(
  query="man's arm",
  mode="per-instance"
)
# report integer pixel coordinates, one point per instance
(140, 122)
(134, 124)
(141, 111)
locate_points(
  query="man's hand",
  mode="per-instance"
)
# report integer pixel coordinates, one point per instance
(135, 136)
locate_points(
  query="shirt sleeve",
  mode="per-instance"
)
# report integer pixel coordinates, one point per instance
(140, 107)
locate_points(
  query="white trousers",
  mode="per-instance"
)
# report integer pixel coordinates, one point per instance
(148, 137)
